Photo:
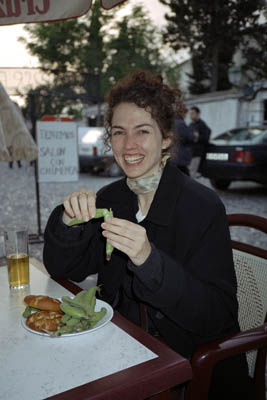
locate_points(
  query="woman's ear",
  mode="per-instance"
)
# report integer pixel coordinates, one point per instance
(166, 142)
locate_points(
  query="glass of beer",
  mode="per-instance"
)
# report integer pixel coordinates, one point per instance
(17, 256)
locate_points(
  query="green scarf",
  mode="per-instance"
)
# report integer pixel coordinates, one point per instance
(149, 183)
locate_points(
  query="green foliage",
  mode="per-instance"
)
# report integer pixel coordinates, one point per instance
(254, 51)
(52, 100)
(98, 49)
(134, 45)
(73, 52)
(213, 30)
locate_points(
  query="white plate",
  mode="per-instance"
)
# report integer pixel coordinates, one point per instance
(100, 324)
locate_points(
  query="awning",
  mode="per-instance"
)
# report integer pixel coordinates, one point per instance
(16, 142)
(4, 154)
(22, 11)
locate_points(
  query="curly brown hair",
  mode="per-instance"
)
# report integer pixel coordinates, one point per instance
(147, 91)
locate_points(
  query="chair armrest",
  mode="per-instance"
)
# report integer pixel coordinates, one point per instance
(248, 220)
(207, 355)
(229, 346)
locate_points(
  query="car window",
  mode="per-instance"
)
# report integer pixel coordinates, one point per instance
(261, 139)
(251, 135)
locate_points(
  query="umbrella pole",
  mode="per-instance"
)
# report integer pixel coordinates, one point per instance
(37, 190)
(35, 238)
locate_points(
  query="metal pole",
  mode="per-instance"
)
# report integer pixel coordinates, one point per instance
(33, 121)
(98, 100)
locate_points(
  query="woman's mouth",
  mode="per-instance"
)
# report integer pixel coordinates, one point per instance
(133, 160)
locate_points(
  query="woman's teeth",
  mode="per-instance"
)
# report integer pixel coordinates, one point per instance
(133, 160)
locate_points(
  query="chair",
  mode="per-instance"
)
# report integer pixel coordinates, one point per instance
(251, 270)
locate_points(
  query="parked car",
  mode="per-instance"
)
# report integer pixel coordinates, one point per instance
(93, 155)
(236, 155)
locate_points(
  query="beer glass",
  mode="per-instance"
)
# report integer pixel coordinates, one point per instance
(17, 255)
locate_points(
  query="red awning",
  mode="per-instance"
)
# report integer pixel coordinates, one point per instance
(26, 11)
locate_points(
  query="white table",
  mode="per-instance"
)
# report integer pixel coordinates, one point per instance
(35, 367)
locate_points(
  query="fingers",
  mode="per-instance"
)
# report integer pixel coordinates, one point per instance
(68, 204)
(127, 237)
(81, 204)
(120, 241)
(122, 227)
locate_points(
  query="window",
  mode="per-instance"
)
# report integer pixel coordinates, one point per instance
(242, 135)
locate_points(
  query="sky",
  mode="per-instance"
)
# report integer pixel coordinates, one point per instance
(14, 54)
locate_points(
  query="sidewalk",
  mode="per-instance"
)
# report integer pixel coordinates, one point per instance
(18, 197)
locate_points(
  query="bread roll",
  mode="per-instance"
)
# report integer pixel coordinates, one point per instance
(44, 321)
(43, 302)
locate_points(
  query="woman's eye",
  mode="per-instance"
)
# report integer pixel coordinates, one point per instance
(117, 133)
(143, 132)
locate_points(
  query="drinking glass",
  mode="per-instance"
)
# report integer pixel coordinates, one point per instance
(17, 256)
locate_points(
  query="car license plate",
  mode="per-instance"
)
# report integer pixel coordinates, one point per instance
(217, 156)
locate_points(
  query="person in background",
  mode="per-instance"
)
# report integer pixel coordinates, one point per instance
(203, 131)
(10, 164)
(186, 137)
(172, 247)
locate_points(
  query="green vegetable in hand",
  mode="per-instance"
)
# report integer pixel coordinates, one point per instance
(100, 212)
(109, 247)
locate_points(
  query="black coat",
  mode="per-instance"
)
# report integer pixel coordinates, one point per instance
(188, 281)
(185, 140)
(204, 134)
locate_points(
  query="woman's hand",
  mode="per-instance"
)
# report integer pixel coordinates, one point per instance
(127, 237)
(80, 205)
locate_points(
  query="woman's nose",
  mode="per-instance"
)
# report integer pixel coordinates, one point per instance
(130, 141)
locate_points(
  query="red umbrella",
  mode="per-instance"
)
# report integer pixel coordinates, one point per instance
(21, 11)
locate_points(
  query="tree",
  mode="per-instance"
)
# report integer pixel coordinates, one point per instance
(99, 48)
(212, 30)
(134, 45)
(137, 45)
(51, 99)
(73, 51)
(254, 52)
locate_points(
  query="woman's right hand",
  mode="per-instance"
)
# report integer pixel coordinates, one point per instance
(80, 205)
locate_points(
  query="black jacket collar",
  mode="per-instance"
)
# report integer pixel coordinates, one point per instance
(164, 202)
(169, 189)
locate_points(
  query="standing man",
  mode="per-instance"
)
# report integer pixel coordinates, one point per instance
(202, 131)
(186, 138)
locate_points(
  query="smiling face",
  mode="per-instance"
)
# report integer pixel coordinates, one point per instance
(136, 140)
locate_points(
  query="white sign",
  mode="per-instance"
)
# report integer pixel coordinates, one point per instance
(57, 151)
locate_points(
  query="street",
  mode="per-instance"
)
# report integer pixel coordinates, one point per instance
(18, 200)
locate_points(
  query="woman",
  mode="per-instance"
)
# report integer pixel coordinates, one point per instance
(172, 248)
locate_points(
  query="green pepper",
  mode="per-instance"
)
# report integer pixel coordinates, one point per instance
(100, 212)
(109, 247)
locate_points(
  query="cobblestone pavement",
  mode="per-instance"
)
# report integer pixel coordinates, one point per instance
(18, 200)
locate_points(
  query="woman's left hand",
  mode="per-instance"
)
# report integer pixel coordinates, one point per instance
(128, 237)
